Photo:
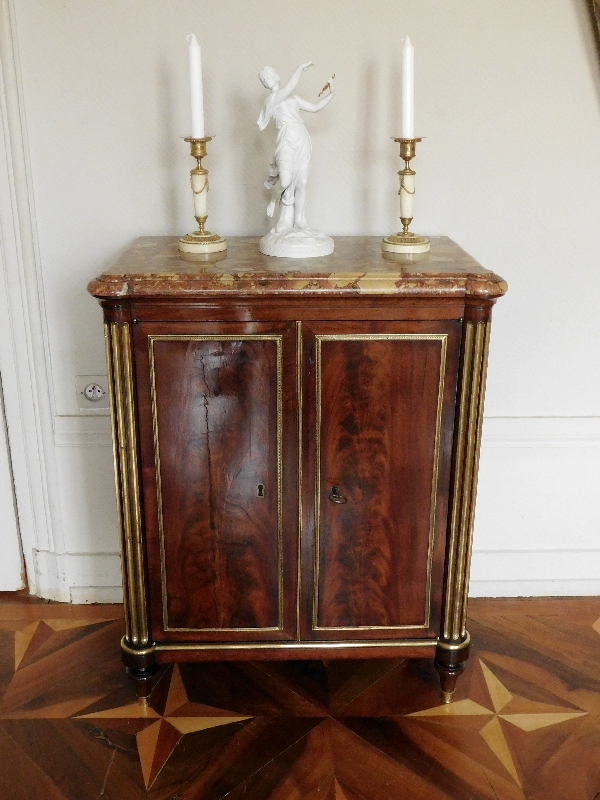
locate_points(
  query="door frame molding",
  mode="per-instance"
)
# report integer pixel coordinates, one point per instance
(24, 346)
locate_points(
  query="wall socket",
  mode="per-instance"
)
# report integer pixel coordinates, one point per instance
(92, 394)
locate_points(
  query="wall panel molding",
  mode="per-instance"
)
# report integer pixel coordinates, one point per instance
(80, 431)
(537, 524)
(547, 557)
(527, 432)
(543, 432)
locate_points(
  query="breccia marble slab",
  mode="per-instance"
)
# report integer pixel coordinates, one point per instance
(151, 266)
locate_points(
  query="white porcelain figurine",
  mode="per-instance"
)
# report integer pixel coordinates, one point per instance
(288, 172)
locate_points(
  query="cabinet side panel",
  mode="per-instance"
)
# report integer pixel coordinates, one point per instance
(379, 413)
(217, 417)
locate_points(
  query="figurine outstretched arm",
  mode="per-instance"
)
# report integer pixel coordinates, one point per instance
(306, 106)
(285, 91)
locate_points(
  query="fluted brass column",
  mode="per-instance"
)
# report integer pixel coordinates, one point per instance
(453, 643)
(136, 645)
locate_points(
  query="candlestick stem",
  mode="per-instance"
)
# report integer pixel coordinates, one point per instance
(202, 245)
(405, 241)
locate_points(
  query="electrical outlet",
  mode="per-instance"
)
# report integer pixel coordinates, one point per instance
(92, 394)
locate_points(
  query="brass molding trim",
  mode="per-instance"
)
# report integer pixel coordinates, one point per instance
(299, 467)
(443, 339)
(121, 390)
(454, 646)
(136, 651)
(278, 339)
(464, 488)
(315, 646)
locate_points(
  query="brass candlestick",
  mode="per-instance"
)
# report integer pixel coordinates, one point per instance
(405, 241)
(201, 245)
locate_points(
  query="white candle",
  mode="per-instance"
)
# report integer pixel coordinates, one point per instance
(196, 88)
(408, 90)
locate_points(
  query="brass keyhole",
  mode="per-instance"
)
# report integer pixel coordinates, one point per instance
(336, 497)
(260, 490)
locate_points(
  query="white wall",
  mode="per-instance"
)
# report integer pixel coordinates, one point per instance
(508, 98)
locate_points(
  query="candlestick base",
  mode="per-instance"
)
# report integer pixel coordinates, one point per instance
(201, 246)
(405, 243)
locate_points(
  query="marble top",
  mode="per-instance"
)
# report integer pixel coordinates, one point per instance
(151, 267)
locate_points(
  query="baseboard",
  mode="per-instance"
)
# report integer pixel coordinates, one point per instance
(78, 577)
(85, 595)
(530, 573)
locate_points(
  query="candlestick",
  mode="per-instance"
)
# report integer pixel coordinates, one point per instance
(201, 245)
(196, 88)
(406, 242)
(408, 90)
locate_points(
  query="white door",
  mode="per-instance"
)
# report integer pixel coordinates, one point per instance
(11, 564)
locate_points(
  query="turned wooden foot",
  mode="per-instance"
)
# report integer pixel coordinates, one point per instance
(141, 666)
(142, 680)
(450, 661)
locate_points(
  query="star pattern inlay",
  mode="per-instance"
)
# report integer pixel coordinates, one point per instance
(30, 639)
(527, 715)
(159, 734)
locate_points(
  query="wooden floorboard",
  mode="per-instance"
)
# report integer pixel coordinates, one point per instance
(525, 724)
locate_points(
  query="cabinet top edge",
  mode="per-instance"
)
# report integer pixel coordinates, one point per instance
(151, 267)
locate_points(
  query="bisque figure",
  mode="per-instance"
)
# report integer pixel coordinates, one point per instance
(288, 172)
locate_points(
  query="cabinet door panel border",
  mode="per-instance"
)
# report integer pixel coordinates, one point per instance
(319, 338)
(278, 339)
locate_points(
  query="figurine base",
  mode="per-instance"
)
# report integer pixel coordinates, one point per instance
(296, 243)
(194, 246)
(405, 243)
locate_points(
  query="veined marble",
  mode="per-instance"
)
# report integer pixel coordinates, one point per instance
(151, 266)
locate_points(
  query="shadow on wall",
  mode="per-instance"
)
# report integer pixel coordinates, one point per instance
(252, 154)
(168, 136)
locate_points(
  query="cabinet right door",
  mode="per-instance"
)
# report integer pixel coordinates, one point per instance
(378, 419)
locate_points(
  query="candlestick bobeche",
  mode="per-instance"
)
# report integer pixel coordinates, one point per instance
(405, 241)
(202, 245)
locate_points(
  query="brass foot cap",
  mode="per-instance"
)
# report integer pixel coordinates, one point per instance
(447, 697)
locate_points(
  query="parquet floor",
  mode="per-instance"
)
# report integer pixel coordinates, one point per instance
(525, 722)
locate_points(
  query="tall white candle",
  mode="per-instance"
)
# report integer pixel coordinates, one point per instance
(408, 90)
(196, 88)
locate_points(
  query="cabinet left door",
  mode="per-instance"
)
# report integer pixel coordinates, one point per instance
(218, 439)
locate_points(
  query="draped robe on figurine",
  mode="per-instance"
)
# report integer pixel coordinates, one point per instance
(293, 147)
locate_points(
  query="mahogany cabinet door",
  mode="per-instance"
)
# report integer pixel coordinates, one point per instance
(379, 402)
(218, 433)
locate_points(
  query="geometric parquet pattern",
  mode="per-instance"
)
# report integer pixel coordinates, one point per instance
(525, 723)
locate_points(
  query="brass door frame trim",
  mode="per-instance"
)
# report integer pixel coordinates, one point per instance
(443, 339)
(278, 339)
(316, 646)
(125, 453)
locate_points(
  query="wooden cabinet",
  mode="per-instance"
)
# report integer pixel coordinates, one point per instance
(296, 451)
